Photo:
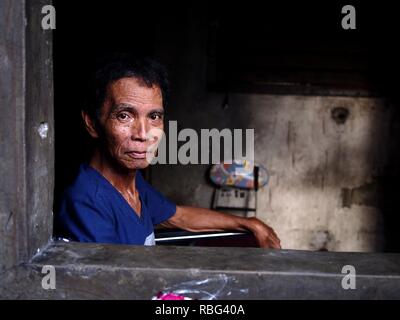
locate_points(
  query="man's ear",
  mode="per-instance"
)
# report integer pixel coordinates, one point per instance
(89, 124)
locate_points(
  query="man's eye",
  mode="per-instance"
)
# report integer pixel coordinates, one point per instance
(155, 116)
(122, 116)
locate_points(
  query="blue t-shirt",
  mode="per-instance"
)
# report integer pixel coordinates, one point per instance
(92, 210)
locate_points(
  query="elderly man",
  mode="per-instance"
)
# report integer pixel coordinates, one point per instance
(109, 201)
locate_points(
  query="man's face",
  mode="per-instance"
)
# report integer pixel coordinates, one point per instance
(131, 111)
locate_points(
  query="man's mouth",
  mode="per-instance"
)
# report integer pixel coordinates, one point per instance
(137, 154)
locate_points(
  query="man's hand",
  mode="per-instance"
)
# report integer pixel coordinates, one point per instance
(265, 235)
(198, 220)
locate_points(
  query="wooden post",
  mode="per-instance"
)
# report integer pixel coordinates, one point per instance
(26, 148)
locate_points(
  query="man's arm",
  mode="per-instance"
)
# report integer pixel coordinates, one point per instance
(199, 220)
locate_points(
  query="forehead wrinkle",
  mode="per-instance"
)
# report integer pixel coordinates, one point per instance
(125, 106)
(131, 88)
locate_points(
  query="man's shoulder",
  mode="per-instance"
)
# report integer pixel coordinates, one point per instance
(86, 185)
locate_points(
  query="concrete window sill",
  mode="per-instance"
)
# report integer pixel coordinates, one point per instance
(95, 271)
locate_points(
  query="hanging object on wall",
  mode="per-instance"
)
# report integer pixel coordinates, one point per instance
(239, 174)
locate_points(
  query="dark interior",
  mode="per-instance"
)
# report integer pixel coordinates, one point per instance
(260, 47)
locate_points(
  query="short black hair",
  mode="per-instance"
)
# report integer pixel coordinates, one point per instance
(146, 70)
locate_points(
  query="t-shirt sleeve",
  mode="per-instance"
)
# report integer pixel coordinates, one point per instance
(86, 220)
(159, 206)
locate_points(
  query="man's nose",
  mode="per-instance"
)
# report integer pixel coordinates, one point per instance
(139, 131)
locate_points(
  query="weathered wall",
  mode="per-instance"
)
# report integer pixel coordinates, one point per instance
(324, 191)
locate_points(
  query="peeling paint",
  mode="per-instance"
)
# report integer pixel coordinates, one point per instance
(43, 130)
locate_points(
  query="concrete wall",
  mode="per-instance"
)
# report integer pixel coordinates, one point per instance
(324, 192)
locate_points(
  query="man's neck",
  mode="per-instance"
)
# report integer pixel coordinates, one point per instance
(122, 179)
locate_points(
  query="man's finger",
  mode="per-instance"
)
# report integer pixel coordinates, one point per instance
(275, 239)
(276, 245)
(276, 242)
(274, 233)
(269, 242)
